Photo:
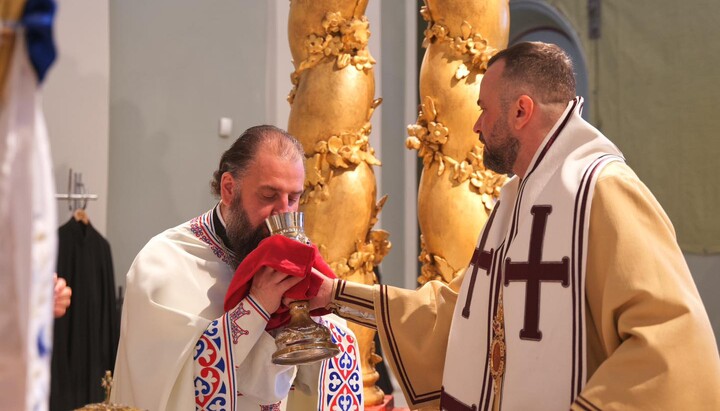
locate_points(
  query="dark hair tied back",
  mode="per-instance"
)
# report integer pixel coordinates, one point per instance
(240, 155)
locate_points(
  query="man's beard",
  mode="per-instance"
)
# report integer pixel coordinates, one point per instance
(503, 156)
(242, 235)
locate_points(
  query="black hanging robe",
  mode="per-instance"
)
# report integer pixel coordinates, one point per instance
(86, 337)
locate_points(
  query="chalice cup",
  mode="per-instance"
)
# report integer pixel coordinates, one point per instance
(302, 340)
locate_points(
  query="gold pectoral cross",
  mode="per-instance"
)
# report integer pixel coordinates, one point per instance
(497, 348)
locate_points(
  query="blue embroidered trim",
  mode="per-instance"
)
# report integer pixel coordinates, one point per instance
(254, 304)
(214, 369)
(340, 385)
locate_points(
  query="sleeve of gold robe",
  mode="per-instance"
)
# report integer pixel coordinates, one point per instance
(650, 342)
(413, 326)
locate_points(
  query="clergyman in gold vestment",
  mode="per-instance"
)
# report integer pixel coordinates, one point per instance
(646, 341)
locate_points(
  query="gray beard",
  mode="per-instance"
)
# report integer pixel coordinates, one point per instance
(244, 238)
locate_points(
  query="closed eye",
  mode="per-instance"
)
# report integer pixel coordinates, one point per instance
(294, 198)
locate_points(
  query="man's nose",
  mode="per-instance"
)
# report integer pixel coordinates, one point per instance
(282, 205)
(476, 126)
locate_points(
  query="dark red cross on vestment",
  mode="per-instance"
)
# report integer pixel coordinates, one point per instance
(535, 271)
(480, 259)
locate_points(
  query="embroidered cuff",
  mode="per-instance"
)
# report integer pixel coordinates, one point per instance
(257, 307)
(354, 302)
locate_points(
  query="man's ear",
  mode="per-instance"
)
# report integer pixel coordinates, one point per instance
(523, 111)
(227, 188)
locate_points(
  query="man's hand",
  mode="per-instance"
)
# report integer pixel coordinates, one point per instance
(322, 299)
(61, 296)
(268, 287)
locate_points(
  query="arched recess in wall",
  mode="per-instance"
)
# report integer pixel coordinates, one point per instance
(538, 21)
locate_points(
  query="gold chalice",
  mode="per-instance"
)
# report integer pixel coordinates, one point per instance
(303, 340)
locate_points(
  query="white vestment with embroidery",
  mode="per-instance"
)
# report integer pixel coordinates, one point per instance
(178, 347)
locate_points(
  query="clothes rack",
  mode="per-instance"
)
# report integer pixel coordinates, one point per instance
(77, 195)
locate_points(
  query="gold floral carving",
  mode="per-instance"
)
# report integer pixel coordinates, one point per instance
(435, 267)
(470, 46)
(367, 254)
(428, 135)
(337, 152)
(345, 40)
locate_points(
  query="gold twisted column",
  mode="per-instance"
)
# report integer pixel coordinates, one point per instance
(332, 101)
(456, 191)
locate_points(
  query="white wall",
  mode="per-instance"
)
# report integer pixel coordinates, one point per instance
(397, 63)
(279, 59)
(76, 95)
(706, 273)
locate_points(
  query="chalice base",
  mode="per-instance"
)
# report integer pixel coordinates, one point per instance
(303, 341)
(305, 353)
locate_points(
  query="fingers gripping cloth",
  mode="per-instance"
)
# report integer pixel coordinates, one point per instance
(290, 257)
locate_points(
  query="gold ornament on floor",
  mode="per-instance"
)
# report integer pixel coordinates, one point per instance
(106, 383)
(302, 340)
